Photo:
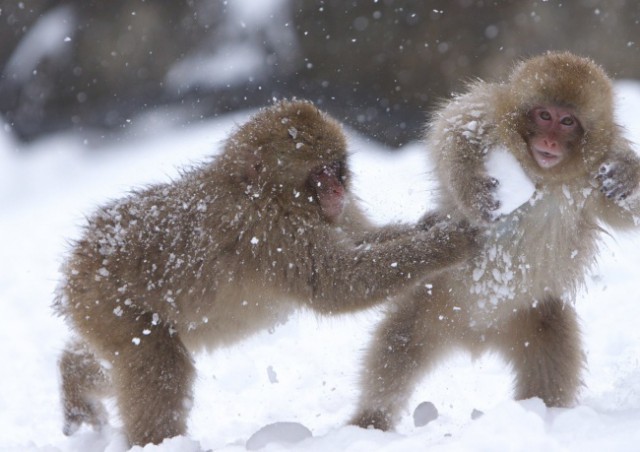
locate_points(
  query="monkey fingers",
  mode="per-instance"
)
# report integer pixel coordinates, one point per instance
(429, 220)
(616, 179)
(484, 199)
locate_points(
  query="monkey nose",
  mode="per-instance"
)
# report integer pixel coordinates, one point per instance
(550, 144)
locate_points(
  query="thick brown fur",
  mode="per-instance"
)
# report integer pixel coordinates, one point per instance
(517, 297)
(229, 248)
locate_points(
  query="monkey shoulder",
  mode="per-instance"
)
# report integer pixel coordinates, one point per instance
(466, 121)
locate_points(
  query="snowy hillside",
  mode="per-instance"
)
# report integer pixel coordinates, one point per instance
(304, 371)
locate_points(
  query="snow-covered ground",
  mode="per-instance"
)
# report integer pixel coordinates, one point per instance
(306, 370)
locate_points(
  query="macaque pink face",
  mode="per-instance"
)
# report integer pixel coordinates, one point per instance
(554, 133)
(327, 181)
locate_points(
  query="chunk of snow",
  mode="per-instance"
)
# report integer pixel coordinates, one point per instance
(472, 126)
(103, 272)
(273, 376)
(514, 188)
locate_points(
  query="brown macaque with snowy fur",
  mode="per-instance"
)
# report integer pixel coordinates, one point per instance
(555, 115)
(230, 248)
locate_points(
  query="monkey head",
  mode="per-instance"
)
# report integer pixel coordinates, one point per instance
(294, 154)
(557, 110)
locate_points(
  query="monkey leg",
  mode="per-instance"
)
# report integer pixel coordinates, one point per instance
(153, 375)
(84, 383)
(546, 352)
(405, 345)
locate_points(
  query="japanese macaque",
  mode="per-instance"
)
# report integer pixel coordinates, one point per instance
(229, 248)
(555, 116)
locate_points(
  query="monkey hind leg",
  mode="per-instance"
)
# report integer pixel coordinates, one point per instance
(546, 353)
(375, 418)
(402, 349)
(153, 376)
(84, 382)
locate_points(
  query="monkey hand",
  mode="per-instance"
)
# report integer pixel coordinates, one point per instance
(483, 203)
(429, 220)
(463, 239)
(618, 178)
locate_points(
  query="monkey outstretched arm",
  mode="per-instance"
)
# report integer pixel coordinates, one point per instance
(398, 231)
(363, 231)
(379, 270)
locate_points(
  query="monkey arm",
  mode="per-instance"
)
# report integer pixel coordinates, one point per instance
(362, 231)
(459, 140)
(618, 179)
(396, 231)
(471, 189)
(386, 233)
(350, 278)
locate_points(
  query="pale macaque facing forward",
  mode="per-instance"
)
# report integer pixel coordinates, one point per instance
(229, 248)
(555, 116)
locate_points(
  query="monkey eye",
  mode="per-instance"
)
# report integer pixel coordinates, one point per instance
(567, 121)
(334, 169)
(545, 115)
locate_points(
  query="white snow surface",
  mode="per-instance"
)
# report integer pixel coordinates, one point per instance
(47, 187)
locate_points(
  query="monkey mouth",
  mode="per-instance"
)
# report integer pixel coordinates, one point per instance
(546, 159)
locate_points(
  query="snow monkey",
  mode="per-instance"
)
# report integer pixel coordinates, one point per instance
(229, 248)
(555, 116)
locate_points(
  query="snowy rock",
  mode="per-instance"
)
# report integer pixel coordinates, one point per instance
(424, 413)
(279, 432)
(514, 188)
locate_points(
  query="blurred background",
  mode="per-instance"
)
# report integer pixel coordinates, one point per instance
(96, 67)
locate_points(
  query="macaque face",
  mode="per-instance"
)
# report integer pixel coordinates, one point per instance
(554, 133)
(328, 183)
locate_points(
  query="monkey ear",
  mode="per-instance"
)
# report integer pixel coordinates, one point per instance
(253, 166)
